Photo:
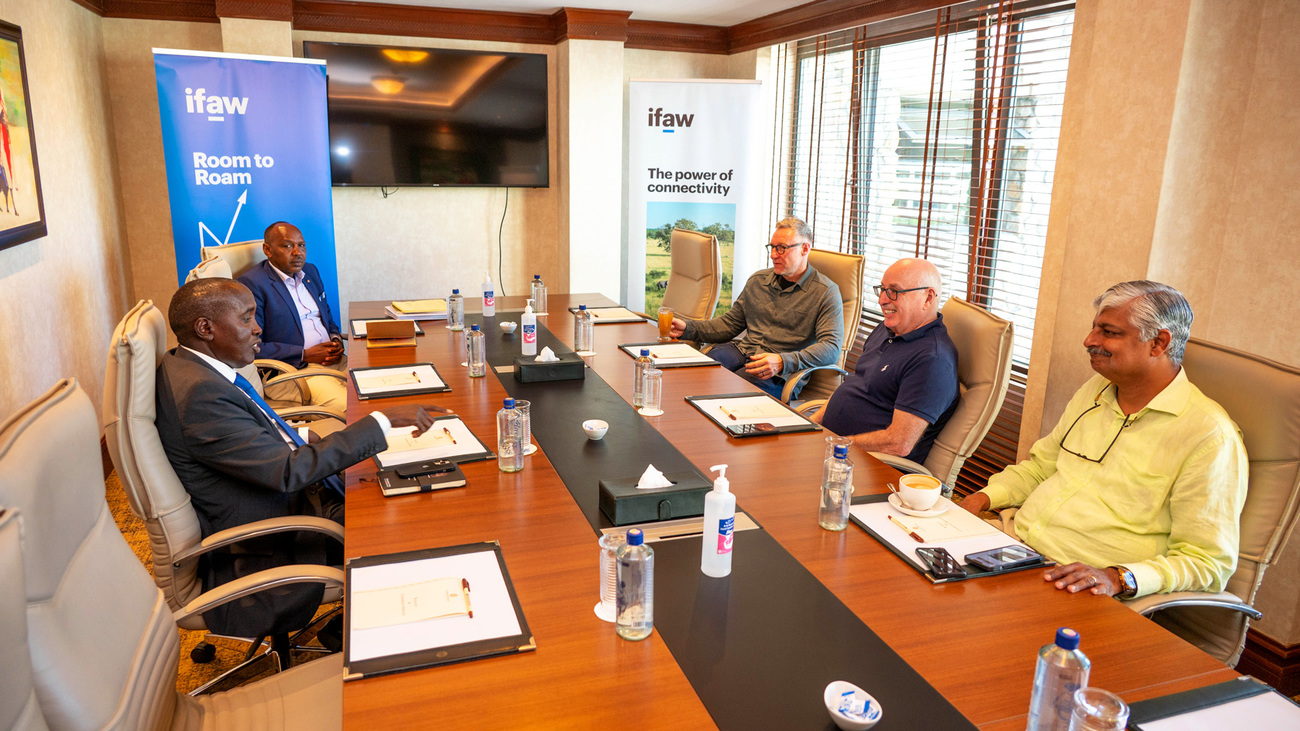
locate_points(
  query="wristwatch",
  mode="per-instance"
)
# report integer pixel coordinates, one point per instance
(1128, 583)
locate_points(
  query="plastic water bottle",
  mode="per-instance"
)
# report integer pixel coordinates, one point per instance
(528, 324)
(456, 311)
(489, 296)
(837, 490)
(639, 367)
(539, 294)
(719, 526)
(477, 351)
(1062, 669)
(584, 331)
(635, 602)
(510, 444)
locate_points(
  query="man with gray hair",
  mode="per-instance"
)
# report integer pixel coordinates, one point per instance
(791, 314)
(1140, 486)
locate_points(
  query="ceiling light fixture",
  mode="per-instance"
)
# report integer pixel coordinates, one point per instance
(388, 84)
(405, 55)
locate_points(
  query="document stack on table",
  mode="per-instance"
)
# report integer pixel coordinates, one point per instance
(430, 309)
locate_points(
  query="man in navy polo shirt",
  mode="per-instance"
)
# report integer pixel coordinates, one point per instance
(904, 388)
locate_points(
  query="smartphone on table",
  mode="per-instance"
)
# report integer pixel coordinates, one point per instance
(1005, 558)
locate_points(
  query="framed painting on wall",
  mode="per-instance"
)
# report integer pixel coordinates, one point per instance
(22, 211)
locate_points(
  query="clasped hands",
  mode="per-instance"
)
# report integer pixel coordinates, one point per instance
(326, 353)
(764, 365)
(1074, 577)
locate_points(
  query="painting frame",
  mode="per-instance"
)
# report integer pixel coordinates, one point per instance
(17, 145)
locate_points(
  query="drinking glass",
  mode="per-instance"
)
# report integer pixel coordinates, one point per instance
(609, 545)
(1098, 710)
(525, 409)
(665, 324)
(653, 392)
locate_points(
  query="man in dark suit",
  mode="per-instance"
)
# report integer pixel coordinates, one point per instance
(240, 463)
(294, 314)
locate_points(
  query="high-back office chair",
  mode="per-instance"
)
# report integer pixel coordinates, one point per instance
(695, 279)
(103, 639)
(846, 270)
(159, 499)
(1263, 398)
(285, 388)
(19, 708)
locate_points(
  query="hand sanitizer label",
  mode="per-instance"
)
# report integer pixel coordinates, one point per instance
(489, 299)
(726, 534)
(530, 333)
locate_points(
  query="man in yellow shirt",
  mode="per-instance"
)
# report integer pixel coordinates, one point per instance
(1140, 486)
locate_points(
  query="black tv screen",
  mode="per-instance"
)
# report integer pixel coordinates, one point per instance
(431, 116)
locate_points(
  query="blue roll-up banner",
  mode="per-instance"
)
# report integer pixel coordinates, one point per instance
(246, 140)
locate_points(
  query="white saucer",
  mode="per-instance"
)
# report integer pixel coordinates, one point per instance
(530, 449)
(939, 508)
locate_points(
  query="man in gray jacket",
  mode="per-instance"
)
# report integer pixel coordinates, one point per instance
(792, 316)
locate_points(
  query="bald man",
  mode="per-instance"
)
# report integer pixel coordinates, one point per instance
(904, 388)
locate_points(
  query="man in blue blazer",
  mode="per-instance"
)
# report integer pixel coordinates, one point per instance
(297, 324)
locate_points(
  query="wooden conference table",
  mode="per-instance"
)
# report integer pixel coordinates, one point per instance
(973, 641)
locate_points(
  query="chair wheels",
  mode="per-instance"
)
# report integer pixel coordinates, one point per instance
(203, 653)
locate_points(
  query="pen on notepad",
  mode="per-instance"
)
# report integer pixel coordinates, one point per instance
(447, 431)
(728, 413)
(468, 609)
(906, 530)
(417, 377)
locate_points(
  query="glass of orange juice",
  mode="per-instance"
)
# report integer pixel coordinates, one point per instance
(665, 324)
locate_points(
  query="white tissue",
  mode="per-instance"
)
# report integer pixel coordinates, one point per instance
(652, 478)
(547, 356)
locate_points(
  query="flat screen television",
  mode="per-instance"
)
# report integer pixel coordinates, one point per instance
(435, 117)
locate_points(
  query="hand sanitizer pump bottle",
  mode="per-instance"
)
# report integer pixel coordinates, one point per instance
(528, 323)
(489, 296)
(719, 526)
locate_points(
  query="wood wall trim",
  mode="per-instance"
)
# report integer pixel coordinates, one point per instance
(657, 36)
(94, 6)
(404, 20)
(203, 11)
(256, 9)
(1272, 662)
(593, 25)
(821, 16)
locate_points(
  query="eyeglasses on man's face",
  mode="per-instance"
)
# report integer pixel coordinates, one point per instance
(780, 248)
(893, 293)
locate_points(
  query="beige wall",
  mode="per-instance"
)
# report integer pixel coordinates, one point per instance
(1180, 146)
(61, 295)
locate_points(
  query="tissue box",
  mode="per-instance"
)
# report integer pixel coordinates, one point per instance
(569, 367)
(624, 504)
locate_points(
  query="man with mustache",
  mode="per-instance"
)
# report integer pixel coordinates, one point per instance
(297, 324)
(241, 463)
(1140, 486)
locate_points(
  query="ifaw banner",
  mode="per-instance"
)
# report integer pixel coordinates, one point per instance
(691, 164)
(246, 140)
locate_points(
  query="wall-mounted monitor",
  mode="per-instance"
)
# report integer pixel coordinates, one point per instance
(435, 117)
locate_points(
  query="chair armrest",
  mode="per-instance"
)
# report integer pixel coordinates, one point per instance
(811, 406)
(331, 577)
(303, 412)
(1152, 603)
(800, 376)
(294, 374)
(258, 529)
(902, 464)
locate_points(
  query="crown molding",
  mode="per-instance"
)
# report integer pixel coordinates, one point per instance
(594, 25)
(203, 11)
(691, 38)
(817, 17)
(256, 9)
(405, 20)
(94, 6)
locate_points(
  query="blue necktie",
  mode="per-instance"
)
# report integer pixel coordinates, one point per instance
(332, 482)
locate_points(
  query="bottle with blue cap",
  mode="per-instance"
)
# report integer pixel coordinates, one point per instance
(456, 311)
(476, 352)
(538, 291)
(642, 363)
(1062, 669)
(635, 599)
(837, 490)
(510, 441)
(584, 331)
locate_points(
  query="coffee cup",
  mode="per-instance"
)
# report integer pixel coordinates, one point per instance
(918, 492)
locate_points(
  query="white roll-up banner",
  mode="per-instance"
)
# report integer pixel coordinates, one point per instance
(692, 163)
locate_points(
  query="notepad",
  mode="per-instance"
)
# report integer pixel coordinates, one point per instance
(416, 602)
(408, 307)
(448, 438)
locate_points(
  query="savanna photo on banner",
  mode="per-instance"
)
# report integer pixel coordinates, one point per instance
(246, 140)
(692, 146)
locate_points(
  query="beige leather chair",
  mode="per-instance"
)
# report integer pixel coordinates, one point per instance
(696, 276)
(157, 496)
(283, 386)
(1263, 398)
(19, 708)
(102, 637)
(846, 270)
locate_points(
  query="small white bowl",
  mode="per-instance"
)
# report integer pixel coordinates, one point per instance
(834, 694)
(595, 429)
(508, 327)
